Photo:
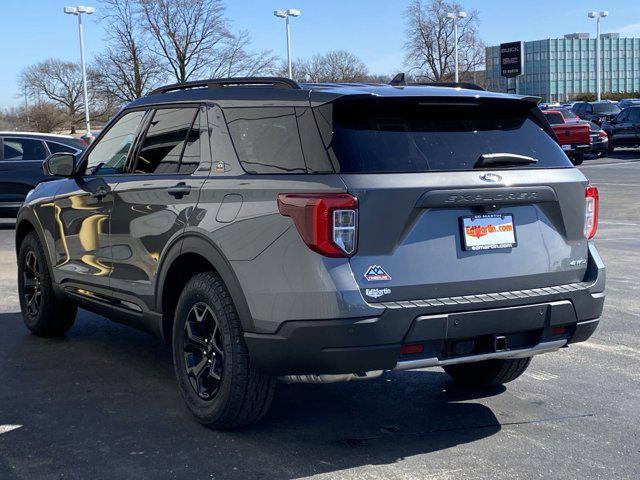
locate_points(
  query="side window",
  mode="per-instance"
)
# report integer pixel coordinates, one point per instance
(24, 149)
(266, 139)
(589, 110)
(622, 117)
(59, 148)
(109, 154)
(166, 139)
(633, 115)
(191, 156)
(315, 155)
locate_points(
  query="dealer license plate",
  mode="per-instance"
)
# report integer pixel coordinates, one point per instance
(488, 232)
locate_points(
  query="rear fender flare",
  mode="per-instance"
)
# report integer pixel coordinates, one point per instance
(198, 244)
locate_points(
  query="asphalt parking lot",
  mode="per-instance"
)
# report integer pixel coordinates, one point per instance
(102, 402)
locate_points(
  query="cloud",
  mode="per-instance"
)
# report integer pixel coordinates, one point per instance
(633, 30)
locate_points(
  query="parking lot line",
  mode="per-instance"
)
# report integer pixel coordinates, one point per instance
(8, 428)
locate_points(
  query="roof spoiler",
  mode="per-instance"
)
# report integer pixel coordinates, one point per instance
(400, 80)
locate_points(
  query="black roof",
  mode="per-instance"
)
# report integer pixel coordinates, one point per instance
(275, 91)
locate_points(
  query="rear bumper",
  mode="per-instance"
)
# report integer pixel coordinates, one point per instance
(599, 147)
(453, 330)
(581, 148)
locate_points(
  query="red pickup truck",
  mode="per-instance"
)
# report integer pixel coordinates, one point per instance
(574, 136)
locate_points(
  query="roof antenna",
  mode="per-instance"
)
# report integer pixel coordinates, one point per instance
(398, 80)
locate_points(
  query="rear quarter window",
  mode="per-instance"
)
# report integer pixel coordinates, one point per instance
(55, 147)
(277, 140)
(386, 136)
(554, 118)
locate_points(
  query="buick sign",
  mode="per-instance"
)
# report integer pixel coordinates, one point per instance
(511, 55)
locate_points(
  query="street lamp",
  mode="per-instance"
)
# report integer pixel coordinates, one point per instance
(78, 11)
(454, 17)
(286, 14)
(598, 16)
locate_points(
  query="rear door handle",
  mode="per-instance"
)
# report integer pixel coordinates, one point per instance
(179, 190)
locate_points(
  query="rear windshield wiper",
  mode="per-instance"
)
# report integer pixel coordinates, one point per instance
(495, 159)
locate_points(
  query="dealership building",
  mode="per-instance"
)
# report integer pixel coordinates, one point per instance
(557, 69)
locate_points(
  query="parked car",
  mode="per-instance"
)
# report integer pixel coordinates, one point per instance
(596, 112)
(599, 140)
(628, 102)
(624, 129)
(318, 233)
(573, 136)
(21, 158)
(546, 106)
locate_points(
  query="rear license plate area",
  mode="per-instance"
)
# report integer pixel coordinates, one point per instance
(488, 232)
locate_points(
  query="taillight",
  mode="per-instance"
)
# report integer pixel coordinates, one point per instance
(591, 211)
(602, 134)
(327, 222)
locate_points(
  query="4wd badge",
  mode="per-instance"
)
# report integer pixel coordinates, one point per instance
(375, 273)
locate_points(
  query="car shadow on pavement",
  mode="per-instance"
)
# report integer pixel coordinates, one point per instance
(102, 403)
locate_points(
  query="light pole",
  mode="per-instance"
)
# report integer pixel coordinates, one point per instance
(286, 14)
(454, 17)
(598, 16)
(78, 11)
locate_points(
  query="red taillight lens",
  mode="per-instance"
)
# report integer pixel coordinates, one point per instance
(327, 222)
(411, 348)
(591, 211)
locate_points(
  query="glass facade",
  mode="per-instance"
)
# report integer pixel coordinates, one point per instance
(557, 69)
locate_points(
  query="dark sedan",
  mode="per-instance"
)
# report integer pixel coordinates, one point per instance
(21, 158)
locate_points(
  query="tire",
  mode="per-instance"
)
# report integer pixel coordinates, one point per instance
(577, 159)
(43, 312)
(216, 376)
(610, 147)
(489, 372)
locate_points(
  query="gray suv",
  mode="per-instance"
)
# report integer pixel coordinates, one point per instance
(318, 232)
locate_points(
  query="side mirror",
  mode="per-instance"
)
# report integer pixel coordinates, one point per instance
(60, 165)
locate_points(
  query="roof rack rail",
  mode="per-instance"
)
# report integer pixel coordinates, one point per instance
(400, 80)
(276, 82)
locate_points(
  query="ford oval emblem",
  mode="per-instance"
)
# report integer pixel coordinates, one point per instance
(491, 177)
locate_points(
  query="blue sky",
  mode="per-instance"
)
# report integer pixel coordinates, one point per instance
(33, 30)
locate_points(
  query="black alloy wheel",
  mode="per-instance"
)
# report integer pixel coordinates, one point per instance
(203, 351)
(32, 282)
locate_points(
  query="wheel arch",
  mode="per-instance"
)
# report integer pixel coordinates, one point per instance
(188, 256)
(26, 223)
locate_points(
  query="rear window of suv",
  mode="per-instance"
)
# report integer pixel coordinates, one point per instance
(605, 108)
(410, 136)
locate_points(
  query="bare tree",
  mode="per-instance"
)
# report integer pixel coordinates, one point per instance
(430, 42)
(58, 81)
(188, 34)
(334, 66)
(39, 117)
(127, 69)
(235, 60)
